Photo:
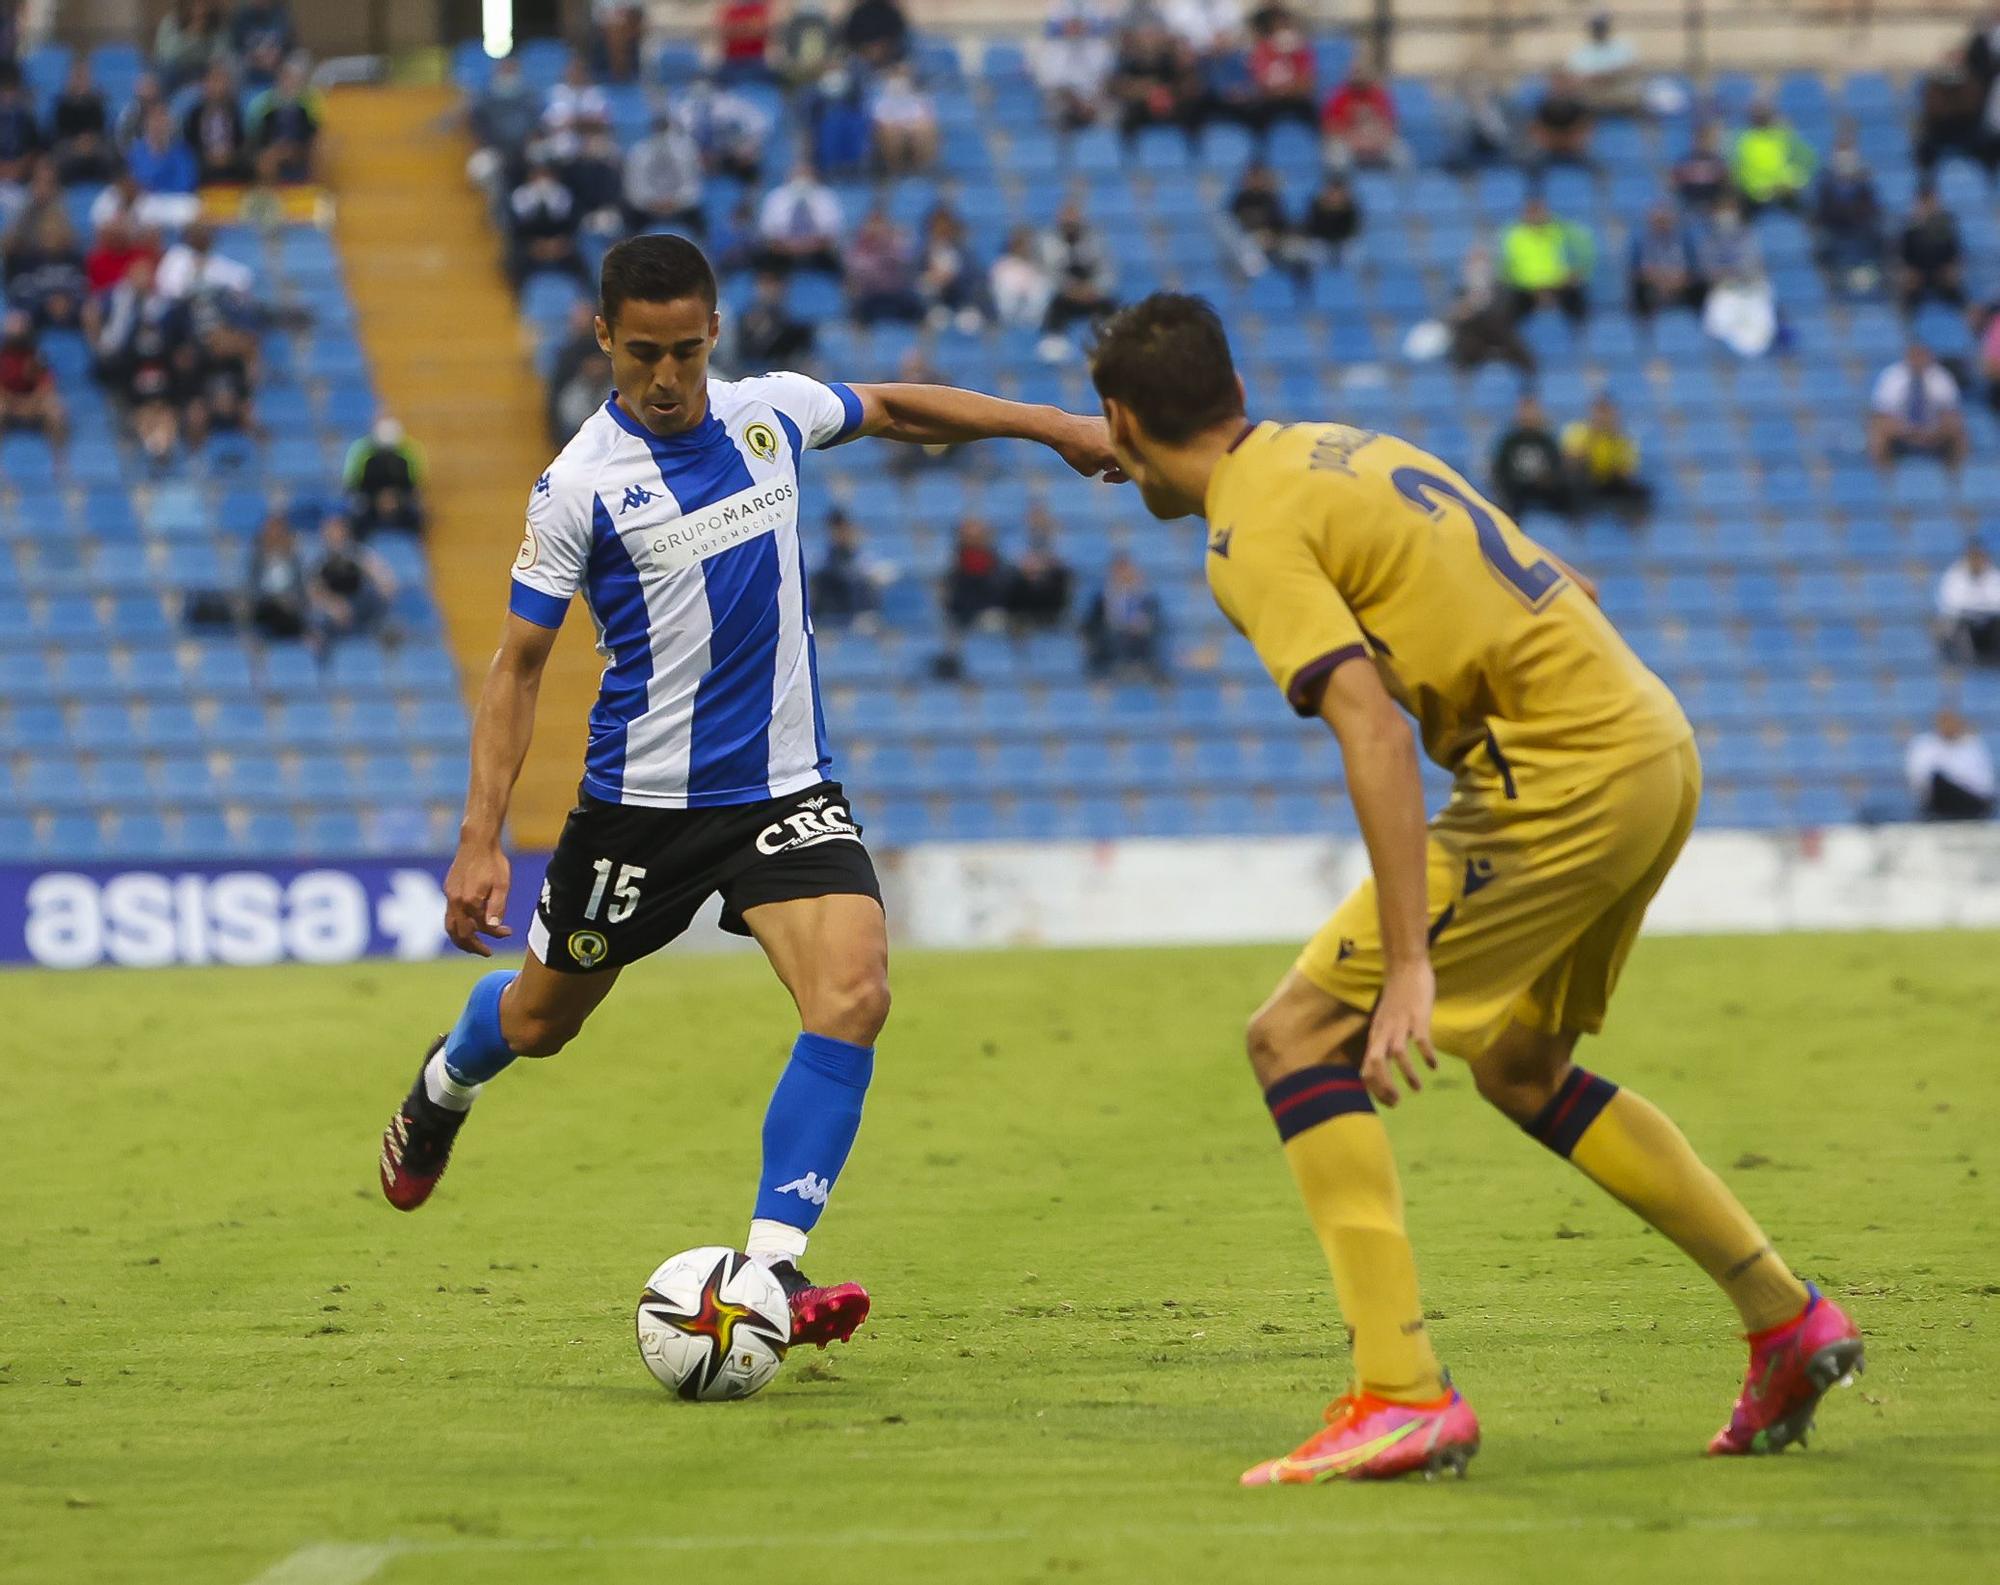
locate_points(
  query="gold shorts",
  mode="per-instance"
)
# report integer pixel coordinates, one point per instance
(1534, 903)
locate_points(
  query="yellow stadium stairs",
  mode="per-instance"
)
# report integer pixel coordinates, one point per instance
(450, 360)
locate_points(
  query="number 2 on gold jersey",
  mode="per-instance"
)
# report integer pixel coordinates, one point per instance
(1536, 583)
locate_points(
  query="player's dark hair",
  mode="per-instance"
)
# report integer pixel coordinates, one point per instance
(1167, 359)
(658, 268)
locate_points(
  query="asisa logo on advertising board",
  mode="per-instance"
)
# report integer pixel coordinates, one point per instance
(137, 917)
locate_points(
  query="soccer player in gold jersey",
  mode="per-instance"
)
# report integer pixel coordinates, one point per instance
(1373, 579)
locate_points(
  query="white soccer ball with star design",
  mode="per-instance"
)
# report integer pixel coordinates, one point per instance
(713, 1324)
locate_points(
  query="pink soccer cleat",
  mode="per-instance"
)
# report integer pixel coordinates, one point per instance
(1370, 1438)
(1791, 1368)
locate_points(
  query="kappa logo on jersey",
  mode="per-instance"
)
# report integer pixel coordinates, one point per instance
(636, 495)
(1478, 875)
(1218, 540)
(588, 947)
(808, 828)
(542, 486)
(763, 443)
(1345, 950)
(812, 1187)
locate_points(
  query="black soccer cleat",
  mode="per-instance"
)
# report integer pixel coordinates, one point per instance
(417, 1143)
(821, 1315)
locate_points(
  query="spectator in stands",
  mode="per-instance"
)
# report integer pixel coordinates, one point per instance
(216, 376)
(798, 225)
(1951, 115)
(617, 28)
(1847, 221)
(1358, 122)
(877, 32)
(1125, 627)
(1603, 461)
(1701, 176)
(1153, 80)
(284, 127)
(1256, 227)
(1039, 588)
(947, 276)
(80, 128)
(28, 395)
(1528, 470)
(1559, 132)
(768, 334)
(351, 585)
(190, 38)
(1203, 26)
(881, 272)
(131, 308)
(542, 225)
(1772, 164)
(261, 25)
(595, 177)
(1019, 282)
(1332, 219)
(836, 115)
(744, 29)
(21, 141)
(976, 579)
(576, 107)
(384, 479)
(1544, 260)
(160, 162)
(503, 118)
(155, 387)
(1079, 266)
(904, 123)
(727, 127)
(1741, 309)
(1605, 68)
(580, 374)
(213, 128)
(1664, 271)
(130, 125)
(118, 244)
(1950, 771)
(1930, 257)
(1072, 64)
(661, 183)
(843, 592)
(1481, 319)
(805, 46)
(276, 595)
(1284, 77)
(1478, 124)
(1916, 411)
(1968, 608)
(1226, 92)
(42, 262)
(192, 269)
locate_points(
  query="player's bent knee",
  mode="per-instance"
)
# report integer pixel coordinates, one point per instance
(538, 1034)
(1270, 1043)
(853, 1007)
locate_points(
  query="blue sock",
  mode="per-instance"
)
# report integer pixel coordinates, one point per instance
(475, 1049)
(814, 1114)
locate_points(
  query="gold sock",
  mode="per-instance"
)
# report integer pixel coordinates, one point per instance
(1631, 1149)
(1339, 1154)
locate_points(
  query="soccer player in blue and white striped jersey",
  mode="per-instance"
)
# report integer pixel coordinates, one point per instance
(675, 514)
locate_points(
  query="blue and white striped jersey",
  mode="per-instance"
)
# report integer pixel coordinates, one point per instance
(686, 550)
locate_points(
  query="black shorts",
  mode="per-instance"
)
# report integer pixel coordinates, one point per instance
(625, 880)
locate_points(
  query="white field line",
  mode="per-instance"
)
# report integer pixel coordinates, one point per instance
(336, 1563)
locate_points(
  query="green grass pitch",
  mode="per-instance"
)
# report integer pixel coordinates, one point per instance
(224, 1359)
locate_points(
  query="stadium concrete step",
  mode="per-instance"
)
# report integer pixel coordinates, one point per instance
(444, 338)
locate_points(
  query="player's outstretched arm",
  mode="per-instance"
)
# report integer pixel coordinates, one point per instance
(945, 415)
(475, 890)
(1380, 759)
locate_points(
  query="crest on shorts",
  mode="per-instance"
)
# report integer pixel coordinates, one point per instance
(762, 441)
(588, 947)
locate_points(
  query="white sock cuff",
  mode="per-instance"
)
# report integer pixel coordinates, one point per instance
(446, 1091)
(771, 1242)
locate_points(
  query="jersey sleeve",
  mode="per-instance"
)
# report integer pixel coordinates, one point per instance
(826, 414)
(554, 549)
(1268, 582)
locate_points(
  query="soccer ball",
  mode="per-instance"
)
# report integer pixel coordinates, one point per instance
(713, 1324)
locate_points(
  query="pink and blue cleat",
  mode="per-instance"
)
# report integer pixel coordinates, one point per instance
(1792, 1367)
(1370, 1438)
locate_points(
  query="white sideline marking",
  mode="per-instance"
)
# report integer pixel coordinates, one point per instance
(332, 1563)
(336, 1563)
